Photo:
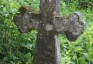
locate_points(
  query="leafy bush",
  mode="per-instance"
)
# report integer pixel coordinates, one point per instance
(79, 52)
(14, 47)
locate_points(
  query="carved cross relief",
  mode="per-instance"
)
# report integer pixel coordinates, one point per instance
(49, 25)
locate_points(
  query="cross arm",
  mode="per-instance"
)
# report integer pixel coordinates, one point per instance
(73, 25)
(26, 21)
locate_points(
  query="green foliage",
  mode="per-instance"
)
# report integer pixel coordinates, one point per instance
(17, 48)
(81, 51)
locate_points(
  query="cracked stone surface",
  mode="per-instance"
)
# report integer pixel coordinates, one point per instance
(49, 25)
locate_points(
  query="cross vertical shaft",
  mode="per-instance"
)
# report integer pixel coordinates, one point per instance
(47, 45)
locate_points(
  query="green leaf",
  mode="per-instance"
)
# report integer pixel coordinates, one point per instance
(5, 59)
(78, 49)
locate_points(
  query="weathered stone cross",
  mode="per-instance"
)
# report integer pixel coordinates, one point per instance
(49, 24)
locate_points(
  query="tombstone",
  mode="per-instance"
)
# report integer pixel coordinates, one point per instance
(49, 25)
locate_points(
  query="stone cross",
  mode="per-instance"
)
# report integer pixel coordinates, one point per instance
(49, 25)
